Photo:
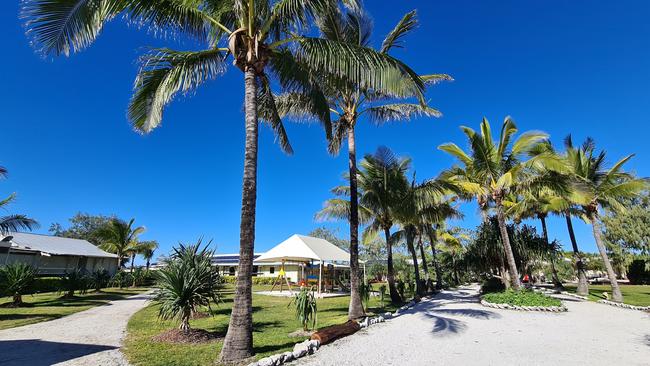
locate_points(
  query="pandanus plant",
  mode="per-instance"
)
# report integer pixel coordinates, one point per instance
(16, 280)
(306, 308)
(264, 39)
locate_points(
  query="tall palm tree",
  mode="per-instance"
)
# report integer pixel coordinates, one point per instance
(493, 169)
(348, 101)
(434, 216)
(262, 37)
(12, 223)
(120, 237)
(599, 187)
(147, 250)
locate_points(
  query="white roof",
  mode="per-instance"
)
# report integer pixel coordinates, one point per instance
(300, 248)
(56, 245)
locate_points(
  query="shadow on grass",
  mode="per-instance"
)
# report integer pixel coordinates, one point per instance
(273, 348)
(22, 352)
(227, 310)
(10, 317)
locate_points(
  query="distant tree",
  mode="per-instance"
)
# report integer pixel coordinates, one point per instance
(147, 251)
(120, 237)
(630, 229)
(331, 235)
(83, 226)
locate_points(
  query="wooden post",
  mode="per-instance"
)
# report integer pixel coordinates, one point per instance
(320, 276)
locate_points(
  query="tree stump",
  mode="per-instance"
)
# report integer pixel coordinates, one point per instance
(330, 334)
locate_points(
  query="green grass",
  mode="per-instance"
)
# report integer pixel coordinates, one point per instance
(638, 295)
(49, 306)
(521, 298)
(273, 320)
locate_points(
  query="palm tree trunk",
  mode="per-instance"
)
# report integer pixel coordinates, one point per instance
(185, 321)
(148, 263)
(425, 266)
(505, 238)
(436, 266)
(394, 295)
(132, 261)
(355, 310)
(616, 291)
(17, 299)
(410, 238)
(238, 344)
(583, 285)
(556, 279)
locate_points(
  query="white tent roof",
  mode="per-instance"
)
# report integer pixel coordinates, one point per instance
(300, 248)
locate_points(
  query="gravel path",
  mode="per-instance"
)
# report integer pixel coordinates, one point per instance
(453, 329)
(91, 337)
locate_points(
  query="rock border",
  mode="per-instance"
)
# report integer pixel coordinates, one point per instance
(308, 347)
(566, 293)
(624, 306)
(550, 309)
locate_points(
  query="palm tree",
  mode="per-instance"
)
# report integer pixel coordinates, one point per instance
(147, 249)
(120, 237)
(492, 169)
(349, 101)
(262, 39)
(382, 179)
(434, 215)
(12, 223)
(598, 187)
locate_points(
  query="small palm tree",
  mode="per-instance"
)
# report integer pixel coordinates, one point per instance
(490, 170)
(186, 283)
(12, 223)
(598, 187)
(16, 279)
(147, 251)
(120, 237)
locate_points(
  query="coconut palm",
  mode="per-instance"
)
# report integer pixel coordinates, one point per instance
(147, 249)
(350, 101)
(120, 237)
(262, 37)
(12, 223)
(598, 187)
(187, 282)
(434, 216)
(493, 169)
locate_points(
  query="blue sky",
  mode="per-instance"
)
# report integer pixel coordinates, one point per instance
(579, 67)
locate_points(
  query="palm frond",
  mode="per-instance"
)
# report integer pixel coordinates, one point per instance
(433, 79)
(164, 73)
(400, 112)
(13, 223)
(403, 27)
(268, 112)
(528, 141)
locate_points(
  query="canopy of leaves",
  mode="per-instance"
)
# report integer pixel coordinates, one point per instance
(83, 226)
(631, 228)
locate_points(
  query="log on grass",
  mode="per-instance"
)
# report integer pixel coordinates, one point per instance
(333, 332)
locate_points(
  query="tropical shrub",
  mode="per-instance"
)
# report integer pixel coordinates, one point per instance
(521, 298)
(121, 279)
(400, 288)
(16, 280)
(638, 272)
(492, 284)
(382, 294)
(188, 282)
(99, 279)
(46, 284)
(365, 289)
(139, 276)
(306, 309)
(74, 281)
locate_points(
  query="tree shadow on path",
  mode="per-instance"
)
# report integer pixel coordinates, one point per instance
(36, 352)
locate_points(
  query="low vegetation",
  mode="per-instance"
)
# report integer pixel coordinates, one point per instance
(521, 298)
(637, 295)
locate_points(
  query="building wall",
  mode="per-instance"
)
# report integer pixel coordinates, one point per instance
(59, 264)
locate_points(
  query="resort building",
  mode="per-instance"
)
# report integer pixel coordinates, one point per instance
(53, 255)
(302, 260)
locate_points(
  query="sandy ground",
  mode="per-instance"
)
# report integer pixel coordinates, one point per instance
(453, 329)
(91, 337)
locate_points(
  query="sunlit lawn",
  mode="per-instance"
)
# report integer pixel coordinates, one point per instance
(273, 320)
(49, 306)
(632, 294)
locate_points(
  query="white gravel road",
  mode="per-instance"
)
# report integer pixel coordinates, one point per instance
(454, 329)
(91, 337)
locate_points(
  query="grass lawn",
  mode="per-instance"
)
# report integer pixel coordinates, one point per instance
(50, 305)
(638, 295)
(273, 320)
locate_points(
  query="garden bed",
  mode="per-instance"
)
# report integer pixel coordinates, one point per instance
(522, 300)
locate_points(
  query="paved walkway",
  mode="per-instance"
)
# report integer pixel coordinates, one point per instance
(91, 337)
(454, 329)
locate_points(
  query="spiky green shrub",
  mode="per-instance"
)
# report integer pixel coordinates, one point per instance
(306, 309)
(186, 283)
(139, 276)
(521, 298)
(74, 281)
(99, 279)
(365, 289)
(121, 279)
(16, 280)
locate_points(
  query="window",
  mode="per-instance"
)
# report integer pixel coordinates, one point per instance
(272, 270)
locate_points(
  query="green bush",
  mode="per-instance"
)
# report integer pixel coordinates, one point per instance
(521, 298)
(400, 288)
(306, 310)
(16, 280)
(99, 279)
(492, 284)
(74, 281)
(256, 280)
(47, 284)
(365, 289)
(637, 273)
(121, 279)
